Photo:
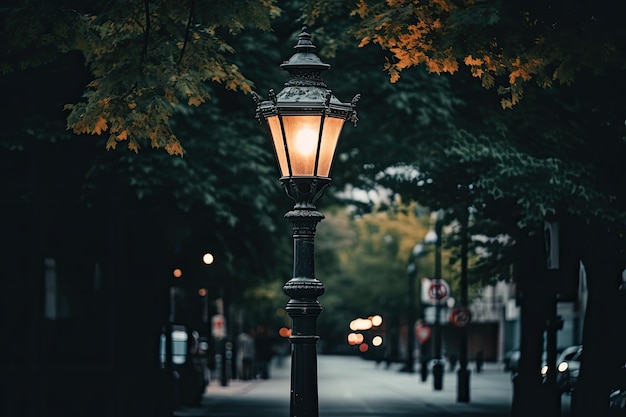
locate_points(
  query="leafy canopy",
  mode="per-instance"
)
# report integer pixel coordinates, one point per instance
(504, 43)
(145, 57)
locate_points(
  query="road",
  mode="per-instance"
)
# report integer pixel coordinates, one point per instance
(350, 386)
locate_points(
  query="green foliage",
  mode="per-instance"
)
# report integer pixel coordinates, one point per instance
(502, 43)
(146, 58)
(362, 262)
(554, 154)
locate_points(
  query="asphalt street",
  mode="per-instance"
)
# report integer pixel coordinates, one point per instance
(350, 386)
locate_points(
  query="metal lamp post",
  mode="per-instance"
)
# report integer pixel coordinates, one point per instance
(411, 271)
(463, 374)
(438, 361)
(305, 120)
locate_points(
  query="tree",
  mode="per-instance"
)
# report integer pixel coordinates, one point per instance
(555, 154)
(502, 43)
(146, 58)
(114, 223)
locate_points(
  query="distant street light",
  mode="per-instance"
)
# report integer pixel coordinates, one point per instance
(411, 271)
(305, 120)
(436, 237)
(208, 258)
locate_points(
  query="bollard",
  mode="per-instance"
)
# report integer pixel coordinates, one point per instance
(424, 370)
(438, 375)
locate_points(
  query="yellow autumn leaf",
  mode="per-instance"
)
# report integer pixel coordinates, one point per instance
(101, 126)
(195, 101)
(173, 147)
(434, 66)
(471, 61)
(111, 143)
(364, 41)
(123, 135)
(133, 146)
(477, 72)
(450, 65)
(361, 10)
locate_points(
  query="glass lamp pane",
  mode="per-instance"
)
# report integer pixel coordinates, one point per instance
(330, 136)
(302, 134)
(279, 146)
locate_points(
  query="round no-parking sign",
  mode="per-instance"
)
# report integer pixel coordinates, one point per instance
(438, 291)
(460, 316)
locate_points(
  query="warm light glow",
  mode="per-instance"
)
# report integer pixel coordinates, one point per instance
(279, 146)
(302, 140)
(330, 137)
(208, 258)
(377, 341)
(306, 142)
(302, 136)
(284, 332)
(355, 338)
(377, 320)
(202, 292)
(363, 347)
(177, 273)
(563, 367)
(360, 324)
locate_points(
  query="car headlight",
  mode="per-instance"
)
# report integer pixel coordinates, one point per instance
(563, 367)
(544, 370)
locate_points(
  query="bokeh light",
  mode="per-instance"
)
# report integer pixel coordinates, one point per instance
(208, 258)
(355, 338)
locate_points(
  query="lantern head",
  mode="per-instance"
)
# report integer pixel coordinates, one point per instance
(305, 120)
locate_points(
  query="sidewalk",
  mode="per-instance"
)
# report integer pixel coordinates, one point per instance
(349, 384)
(216, 393)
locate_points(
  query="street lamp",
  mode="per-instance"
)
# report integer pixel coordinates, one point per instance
(305, 120)
(438, 362)
(411, 271)
(463, 374)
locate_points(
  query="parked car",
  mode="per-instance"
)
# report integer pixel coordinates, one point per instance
(511, 361)
(568, 368)
(189, 364)
(617, 399)
(617, 403)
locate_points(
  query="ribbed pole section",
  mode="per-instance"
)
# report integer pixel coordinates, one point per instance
(304, 309)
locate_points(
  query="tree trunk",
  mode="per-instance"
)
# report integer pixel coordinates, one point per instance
(534, 298)
(603, 263)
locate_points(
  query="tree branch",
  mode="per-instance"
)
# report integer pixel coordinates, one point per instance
(187, 30)
(144, 52)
